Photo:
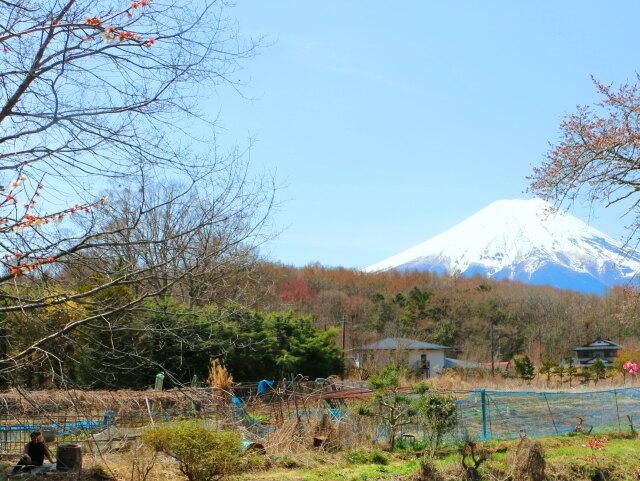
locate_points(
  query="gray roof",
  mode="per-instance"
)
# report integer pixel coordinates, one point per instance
(589, 362)
(599, 343)
(395, 343)
(450, 363)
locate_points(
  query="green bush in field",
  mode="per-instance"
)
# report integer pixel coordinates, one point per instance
(202, 454)
(436, 415)
(366, 456)
(421, 387)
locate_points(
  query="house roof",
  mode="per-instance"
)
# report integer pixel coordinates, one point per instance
(395, 343)
(450, 363)
(589, 362)
(599, 343)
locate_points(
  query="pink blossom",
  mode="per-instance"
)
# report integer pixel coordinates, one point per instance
(631, 368)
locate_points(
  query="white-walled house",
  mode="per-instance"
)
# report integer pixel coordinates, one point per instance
(422, 357)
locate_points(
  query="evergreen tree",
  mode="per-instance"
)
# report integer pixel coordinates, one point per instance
(570, 369)
(414, 308)
(525, 369)
(559, 370)
(548, 367)
(598, 371)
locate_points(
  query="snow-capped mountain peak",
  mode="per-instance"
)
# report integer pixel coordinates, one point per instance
(524, 240)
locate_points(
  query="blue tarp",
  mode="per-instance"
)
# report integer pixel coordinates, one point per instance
(65, 428)
(265, 386)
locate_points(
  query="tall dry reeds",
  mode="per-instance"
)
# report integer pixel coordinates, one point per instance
(221, 381)
(219, 377)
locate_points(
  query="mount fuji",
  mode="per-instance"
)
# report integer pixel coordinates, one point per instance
(524, 240)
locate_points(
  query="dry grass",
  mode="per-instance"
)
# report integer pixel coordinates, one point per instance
(291, 436)
(469, 380)
(75, 400)
(526, 461)
(219, 377)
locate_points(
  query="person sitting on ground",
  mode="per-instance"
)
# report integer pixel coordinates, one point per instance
(33, 454)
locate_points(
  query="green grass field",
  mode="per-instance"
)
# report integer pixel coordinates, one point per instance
(566, 460)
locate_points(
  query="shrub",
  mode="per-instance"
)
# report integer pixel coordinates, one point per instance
(378, 457)
(363, 456)
(405, 444)
(421, 387)
(437, 416)
(202, 454)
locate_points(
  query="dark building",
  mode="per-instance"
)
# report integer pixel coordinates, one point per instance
(603, 349)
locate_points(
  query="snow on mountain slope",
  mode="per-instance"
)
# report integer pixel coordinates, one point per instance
(524, 240)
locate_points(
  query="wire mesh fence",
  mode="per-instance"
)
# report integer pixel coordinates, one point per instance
(500, 415)
(279, 409)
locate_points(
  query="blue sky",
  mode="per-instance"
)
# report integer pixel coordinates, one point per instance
(386, 123)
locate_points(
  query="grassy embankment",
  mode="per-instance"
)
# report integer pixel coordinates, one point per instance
(566, 460)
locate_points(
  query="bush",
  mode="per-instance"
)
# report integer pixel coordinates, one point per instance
(363, 456)
(378, 457)
(409, 445)
(202, 454)
(421, 387)
(436, 415)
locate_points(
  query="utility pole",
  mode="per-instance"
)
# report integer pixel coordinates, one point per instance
(344, 332)
(492, 349)
(345, 319)
(539, 346)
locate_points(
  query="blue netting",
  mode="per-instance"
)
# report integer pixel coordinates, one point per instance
(498, 414)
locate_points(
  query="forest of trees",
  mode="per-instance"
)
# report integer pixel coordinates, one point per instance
(458, 312)
(274, 321)
(164, 336)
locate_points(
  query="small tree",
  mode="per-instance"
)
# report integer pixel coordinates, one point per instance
(524, 367)
(570, 369)
(202, 454)
(392, 406)
(548, 367)
(559, 370)
(586, 375)
(436, 415)
(623, 364)
(598, 371)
